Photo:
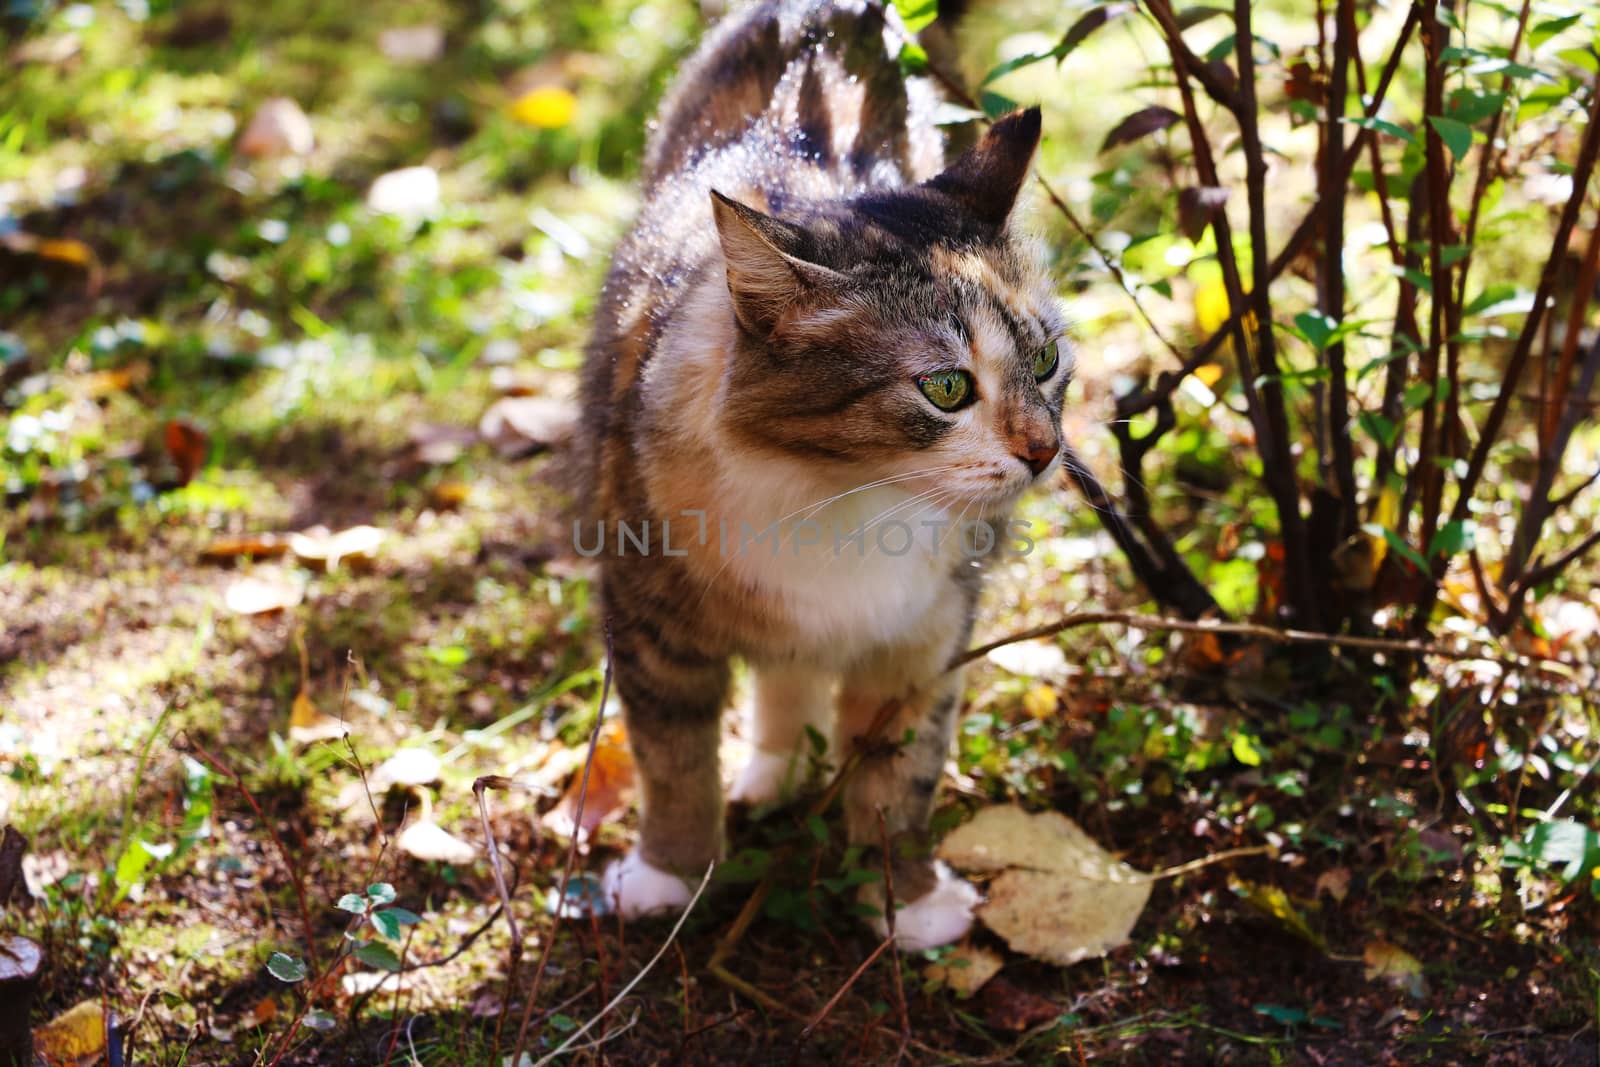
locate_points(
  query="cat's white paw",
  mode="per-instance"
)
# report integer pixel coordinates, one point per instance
(941, 916)
(767, 778)
(634, 888)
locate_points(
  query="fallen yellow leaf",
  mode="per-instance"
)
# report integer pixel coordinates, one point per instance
(1062, 898)
(1041, 701)
(546, 108)
(319, 548)
(965, 970)
(1209, 373)
(77, 1035)
(610, 787)
(307, 723)
(1394, 965)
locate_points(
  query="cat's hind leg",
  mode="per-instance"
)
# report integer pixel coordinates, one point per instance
(672, 698)
(788, 699)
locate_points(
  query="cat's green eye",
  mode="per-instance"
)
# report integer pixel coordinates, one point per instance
(946, 390)
(1044, 364)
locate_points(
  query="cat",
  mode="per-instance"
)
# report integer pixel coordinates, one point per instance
(816, 332)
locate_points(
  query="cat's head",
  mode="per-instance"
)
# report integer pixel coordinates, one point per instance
(906, 334)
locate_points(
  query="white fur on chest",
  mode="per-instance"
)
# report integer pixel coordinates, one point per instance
(865, 569)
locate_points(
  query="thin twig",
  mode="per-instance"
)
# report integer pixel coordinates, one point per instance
(572, 849)
(623, 993)
(1260, 633)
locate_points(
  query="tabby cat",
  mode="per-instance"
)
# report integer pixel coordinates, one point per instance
(816, 334)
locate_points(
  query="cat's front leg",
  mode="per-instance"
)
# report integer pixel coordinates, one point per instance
(672, 697)
(892, 791)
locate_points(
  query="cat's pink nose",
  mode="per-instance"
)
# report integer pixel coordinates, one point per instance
(1038, 455)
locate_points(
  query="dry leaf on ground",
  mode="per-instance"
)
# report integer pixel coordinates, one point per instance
(412, 44)
(1392, 964)
(1335, 881)
(1061, 898)
(259, 546)
(965, 970)
(187, 444)
(610, 787)
(520, 425)
(1010, 1007)
(440, 443)
(317, 547)
(408, 193)
(278, 128)
(76, 1036)
(307, 724)
(260, 594)
(432, 843)
(408, 766)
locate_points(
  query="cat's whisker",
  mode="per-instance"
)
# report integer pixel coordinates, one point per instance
(812, 509)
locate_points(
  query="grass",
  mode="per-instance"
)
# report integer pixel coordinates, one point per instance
(315, 341)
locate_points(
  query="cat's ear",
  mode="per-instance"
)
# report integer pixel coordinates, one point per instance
(986, 179)
(765, 275)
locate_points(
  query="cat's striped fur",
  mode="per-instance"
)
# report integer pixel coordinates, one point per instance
(801, 260)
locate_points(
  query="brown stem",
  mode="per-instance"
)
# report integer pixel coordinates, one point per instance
(1342, 460)
(1427, 472)
(1515, 366)
(1488, 160)
(1278, 468)
(1539, 506)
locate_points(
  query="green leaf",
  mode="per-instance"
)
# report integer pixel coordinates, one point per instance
(913, 58)
(353, 903)
(1417, 395)
(1092, 20)
(1246, 750)
(133, 863)
(286, 968)
(377, 955)
(380, 893)
(449, 655)
(1398, 544)
(1453, 537)
(1457, 136)
(1222, 49)
(996, 104)
(1141, 123)
(917, 15)
(1318, 329)
(1500, 299)
(403, 916)
(1379, 427)
(1236, 585)
(386, 925)
(1472, 106)
(1549, 28)
(1563, 843)
(1505, 68)
(818, 828)
(320, 1021)
(1190, 17)
(1423, 283)
(1384, 126)
(1281, 1015)
(1541, 99)
(1017, 63)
